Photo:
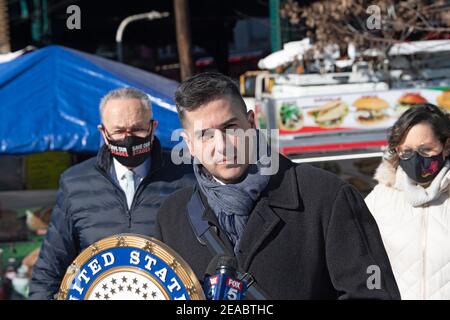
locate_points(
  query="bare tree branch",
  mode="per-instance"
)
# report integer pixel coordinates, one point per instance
(344, 21)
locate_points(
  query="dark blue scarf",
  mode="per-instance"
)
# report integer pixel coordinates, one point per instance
(232, 203)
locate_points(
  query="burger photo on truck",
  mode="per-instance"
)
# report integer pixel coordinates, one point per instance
(408, 100)
(371, 110)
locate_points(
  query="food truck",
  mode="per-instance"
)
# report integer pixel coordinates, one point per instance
(334, 113)
(338, 116)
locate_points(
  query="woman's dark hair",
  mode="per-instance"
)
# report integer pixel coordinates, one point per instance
(438, 120)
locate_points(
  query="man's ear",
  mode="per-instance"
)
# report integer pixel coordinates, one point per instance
(102, 132)
(251, 119)
(154, 126)
(188, 141)
(447, 148)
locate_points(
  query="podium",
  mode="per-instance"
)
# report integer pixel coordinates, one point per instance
(129, 267)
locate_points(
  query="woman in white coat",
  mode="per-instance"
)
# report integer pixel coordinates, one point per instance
(411, 203)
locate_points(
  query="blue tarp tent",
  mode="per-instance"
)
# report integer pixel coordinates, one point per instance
(49, 100)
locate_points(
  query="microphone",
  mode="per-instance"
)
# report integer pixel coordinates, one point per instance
(221, 280)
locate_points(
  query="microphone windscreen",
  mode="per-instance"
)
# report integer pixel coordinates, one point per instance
(227, 261)
(212, 266)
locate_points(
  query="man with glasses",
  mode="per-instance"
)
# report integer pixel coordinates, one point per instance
(119, 191)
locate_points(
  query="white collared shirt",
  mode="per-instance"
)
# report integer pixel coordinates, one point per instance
(220, 182)
(118, 173)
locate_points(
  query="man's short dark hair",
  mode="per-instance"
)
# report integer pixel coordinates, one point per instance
(203, 88)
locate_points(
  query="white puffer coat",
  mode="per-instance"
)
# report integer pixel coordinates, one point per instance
(417, 239)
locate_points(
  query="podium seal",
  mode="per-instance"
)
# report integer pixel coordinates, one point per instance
(129, 267)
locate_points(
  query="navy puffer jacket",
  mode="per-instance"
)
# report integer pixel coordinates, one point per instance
(90, 206)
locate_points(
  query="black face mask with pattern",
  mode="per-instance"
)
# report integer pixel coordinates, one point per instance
(132, 150)
(423, 169)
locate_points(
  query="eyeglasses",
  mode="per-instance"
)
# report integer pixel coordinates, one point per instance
(122, 133)
(424, 151)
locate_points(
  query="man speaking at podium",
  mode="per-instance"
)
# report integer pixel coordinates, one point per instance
(298, 233)
(119, 191)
